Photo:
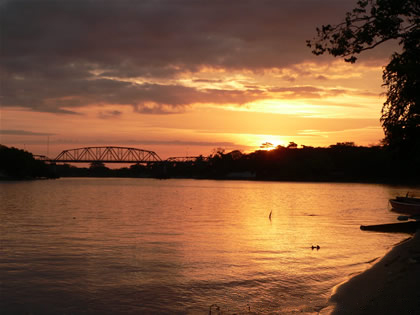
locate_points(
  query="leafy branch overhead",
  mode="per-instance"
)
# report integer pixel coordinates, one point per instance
(371, 23)
(368, 25)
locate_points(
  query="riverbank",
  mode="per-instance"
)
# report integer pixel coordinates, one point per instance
(391, 286)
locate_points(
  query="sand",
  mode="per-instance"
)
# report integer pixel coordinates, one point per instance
(391, 286)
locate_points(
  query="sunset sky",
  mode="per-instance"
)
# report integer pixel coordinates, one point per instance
(181, 77)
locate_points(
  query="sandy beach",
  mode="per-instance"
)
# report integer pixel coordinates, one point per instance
(390, 286)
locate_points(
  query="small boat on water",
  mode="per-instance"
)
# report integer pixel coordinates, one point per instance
(409, 199)
(407, 205)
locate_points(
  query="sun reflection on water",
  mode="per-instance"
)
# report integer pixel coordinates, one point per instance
(151, 246)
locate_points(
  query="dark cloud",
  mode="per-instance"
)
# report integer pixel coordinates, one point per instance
(23, 133)
(127, 35)
(66, 95)
(321, 78)
(63, 95)
(107, 114)
(59, 55)
(207, 81)
(289, 78)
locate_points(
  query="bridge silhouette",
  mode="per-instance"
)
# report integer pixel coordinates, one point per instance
(111, 154)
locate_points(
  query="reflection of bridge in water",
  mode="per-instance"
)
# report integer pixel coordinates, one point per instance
(112, 154)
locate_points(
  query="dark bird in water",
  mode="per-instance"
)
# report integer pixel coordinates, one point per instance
(315, 247)
(217, 309)
(269, 216)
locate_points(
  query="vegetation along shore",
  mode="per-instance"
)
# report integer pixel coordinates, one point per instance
(342, 162)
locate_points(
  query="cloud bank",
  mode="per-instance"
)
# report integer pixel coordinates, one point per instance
(58, 56)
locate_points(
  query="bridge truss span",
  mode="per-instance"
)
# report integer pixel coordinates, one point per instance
(108, 154)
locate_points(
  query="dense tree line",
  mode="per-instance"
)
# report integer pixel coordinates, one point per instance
(340, 162)
(343, 162)
(20, 164)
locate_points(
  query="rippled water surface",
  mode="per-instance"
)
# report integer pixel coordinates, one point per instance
(121, 246)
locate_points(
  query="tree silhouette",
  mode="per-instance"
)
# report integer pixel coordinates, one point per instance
(292, 145)
(368, 25)
(20, 164)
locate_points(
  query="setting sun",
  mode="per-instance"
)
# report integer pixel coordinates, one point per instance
(271, 143)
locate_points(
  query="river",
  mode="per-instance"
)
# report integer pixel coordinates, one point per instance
(147, 246)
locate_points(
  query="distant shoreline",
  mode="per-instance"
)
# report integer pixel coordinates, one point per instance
(340, 163)
(336, 181)
(355, 181)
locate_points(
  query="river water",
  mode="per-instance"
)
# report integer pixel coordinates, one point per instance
(146, 246)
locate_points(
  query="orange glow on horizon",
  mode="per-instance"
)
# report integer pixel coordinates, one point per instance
(309, 104)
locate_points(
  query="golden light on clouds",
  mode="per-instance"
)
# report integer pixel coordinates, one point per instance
(185, 83)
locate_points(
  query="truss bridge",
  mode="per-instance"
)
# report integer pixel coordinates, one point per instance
(108, 154)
